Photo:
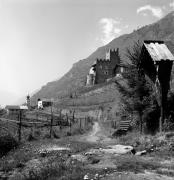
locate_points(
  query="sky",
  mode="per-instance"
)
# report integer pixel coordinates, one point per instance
(40, 40)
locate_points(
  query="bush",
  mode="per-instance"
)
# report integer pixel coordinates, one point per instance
(151, 119)
(55, 135)
(68, 134)
(169, 134)
(7, 143)
(31, 137)
(119, 132)
(168, 126)
(46, 136)
(37, 133)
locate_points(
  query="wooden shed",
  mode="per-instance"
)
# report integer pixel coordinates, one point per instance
(157, 61)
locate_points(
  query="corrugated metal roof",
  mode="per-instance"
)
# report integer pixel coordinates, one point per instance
(158, 51)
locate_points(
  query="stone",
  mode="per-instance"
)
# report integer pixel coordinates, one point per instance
(86, 177)
(140, 153)
(79, 157)
(118, 149)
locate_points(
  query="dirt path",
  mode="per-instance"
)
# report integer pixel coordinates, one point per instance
(97, 135)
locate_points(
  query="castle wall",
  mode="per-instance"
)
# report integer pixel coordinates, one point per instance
(103, 71)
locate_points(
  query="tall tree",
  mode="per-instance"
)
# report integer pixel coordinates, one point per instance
(134, 88)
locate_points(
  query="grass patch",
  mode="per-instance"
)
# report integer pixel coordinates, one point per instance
(16, 159)
(165, 172)
(164, 153)
(56, 169)
(135, 164)
(29, 150)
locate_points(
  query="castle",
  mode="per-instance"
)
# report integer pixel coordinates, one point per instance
(104, 69)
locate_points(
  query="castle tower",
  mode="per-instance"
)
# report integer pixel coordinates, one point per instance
(108, 55)
(113, 55)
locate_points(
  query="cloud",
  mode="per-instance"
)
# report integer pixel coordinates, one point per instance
(156, 11)
(109, 29)
(172, 4)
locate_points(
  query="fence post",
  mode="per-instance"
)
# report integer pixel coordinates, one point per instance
(60, 119)
(19, 126)
(85, 123)
(67, 118)
(80, 123)
(70, 126)
(51, 124)
(36, 116)
(73, 116)
(71, 120)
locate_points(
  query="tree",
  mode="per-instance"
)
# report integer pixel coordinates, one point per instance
(136, 91)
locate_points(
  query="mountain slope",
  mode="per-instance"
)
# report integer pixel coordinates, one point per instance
(76, 77)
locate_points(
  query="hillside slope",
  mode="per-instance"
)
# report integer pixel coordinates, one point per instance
(76, 77)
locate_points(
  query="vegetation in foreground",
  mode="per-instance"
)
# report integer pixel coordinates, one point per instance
(31, 160)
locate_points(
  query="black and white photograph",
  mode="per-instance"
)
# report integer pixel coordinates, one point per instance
(87, 89)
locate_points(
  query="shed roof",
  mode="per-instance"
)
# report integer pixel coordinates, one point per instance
(158, 50)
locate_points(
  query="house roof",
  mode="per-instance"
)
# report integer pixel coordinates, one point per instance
(46, 100)
(158, 50)
(24, 107)
(10, 107)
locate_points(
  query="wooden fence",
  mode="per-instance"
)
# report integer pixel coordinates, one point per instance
(41, 119)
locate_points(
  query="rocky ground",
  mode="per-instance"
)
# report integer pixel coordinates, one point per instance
(94, 155)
